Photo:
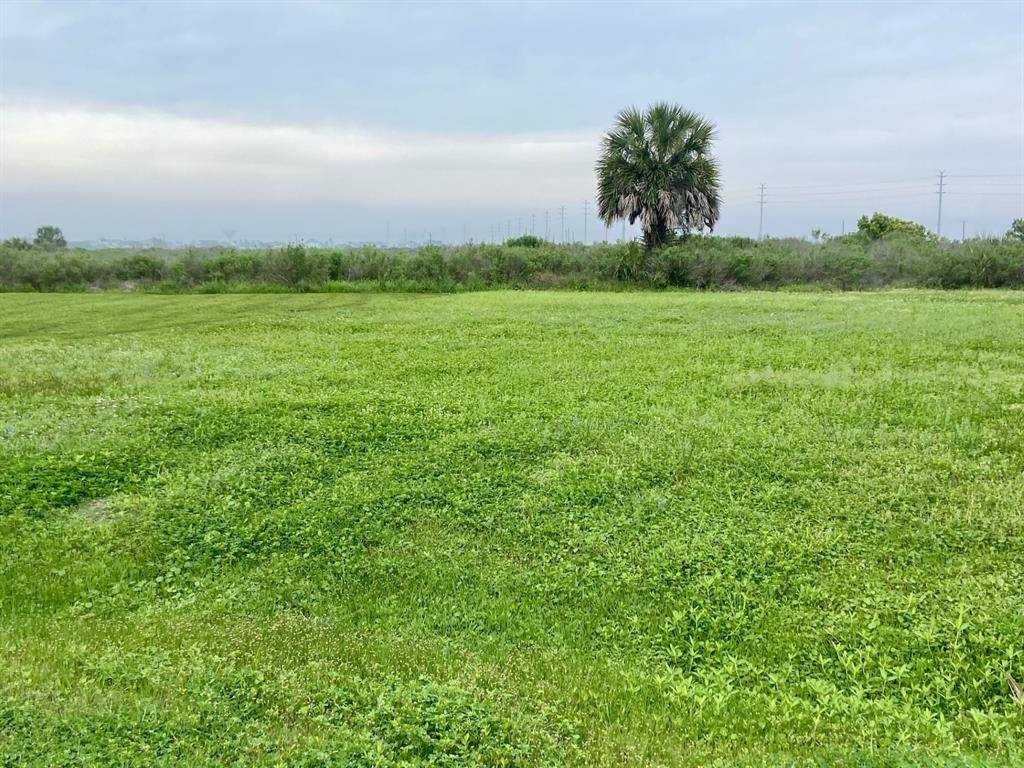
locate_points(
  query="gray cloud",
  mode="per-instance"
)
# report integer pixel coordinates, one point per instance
(333, 118)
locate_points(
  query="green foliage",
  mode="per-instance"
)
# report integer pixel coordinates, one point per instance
(525, 241)
(17, 244)
(513, 528)
(426, 723)
(878, 225)
(1016, 230)
(426, 267)
(847, 263)
(657, 166)
(50, 238)
(632, 263)
(138, 266)
(296, 266)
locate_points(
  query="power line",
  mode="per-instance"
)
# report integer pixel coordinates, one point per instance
(793, 187)
(969, 193)
(991, 176)
(990, 184)
(842, 192)
(854, 199)
(880, 194)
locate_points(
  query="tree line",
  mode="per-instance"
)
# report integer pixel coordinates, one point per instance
(867, 259)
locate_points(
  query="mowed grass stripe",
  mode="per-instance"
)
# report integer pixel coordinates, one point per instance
(512, 528)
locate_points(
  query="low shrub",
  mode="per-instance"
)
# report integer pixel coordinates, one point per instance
(851, 262)
(526, 241)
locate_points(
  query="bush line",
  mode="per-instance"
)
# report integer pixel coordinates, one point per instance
(853, 262)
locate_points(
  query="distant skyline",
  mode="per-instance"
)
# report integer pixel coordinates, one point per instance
(358, 121)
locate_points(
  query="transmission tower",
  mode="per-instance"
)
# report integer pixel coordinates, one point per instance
(760, 218)
(942, 187)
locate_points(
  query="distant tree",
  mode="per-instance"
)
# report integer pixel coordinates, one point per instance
(526, 241)
(50, 238)
(656, 166)
(878, 225)
(1016, 230)
(17, 244)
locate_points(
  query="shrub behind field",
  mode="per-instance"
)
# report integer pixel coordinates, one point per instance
(705, 263)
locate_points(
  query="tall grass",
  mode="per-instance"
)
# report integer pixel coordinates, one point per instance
(712, 263)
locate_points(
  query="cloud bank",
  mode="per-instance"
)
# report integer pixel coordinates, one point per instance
(333, 119)
(145, 154)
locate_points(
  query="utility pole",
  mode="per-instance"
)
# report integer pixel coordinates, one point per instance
(760, 220)
(533, 223)
(942, 187)
(519, 226)
(508, 229)
(585, 204)
(963, 230)
(843, 230)
(606, 234)
(562, 209)
(546, 225)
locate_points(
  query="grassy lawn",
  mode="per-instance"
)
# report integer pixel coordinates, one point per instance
(512, 529)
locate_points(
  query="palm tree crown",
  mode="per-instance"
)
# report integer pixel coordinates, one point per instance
(656, 166)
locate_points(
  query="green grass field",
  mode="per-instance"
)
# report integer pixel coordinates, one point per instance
(512, 529)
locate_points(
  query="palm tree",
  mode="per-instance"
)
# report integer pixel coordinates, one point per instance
(656, 166)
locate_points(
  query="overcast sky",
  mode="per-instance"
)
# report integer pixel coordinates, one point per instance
(352, 121)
